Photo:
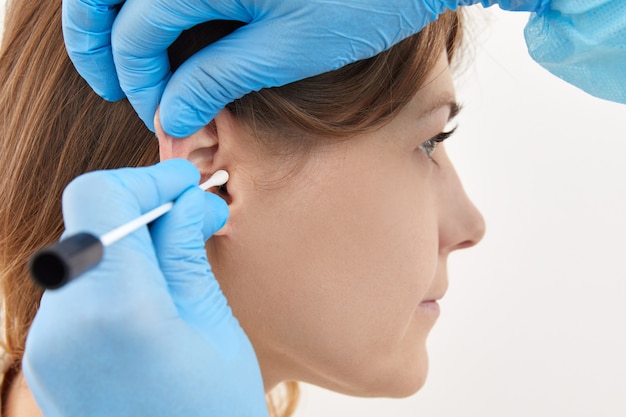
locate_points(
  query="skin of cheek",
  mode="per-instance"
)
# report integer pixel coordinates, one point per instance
(325, 274)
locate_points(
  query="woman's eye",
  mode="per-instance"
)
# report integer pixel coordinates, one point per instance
(430, 146)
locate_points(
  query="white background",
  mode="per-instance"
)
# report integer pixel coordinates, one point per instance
(533, 323)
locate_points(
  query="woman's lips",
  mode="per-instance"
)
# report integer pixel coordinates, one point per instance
(429, 307)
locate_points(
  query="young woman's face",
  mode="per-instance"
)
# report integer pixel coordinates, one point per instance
(334, 271)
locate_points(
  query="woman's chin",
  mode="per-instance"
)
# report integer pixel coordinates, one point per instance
(402, 380)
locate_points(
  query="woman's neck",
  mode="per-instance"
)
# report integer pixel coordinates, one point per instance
(19, 400)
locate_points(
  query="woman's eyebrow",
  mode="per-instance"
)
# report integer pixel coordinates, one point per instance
(447, 100)
(455, 109)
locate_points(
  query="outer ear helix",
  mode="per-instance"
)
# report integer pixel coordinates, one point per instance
(195, 148)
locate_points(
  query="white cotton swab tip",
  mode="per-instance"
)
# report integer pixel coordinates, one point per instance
(218, 179)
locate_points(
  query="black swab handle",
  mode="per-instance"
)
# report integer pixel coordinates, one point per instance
(57, 264)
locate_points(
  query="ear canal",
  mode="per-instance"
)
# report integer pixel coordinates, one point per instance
(222, 191)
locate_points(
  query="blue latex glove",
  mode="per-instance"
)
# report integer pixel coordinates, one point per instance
(584, 43)
(284, 41)
(147, 332)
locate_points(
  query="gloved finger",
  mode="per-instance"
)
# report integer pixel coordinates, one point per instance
(510, 5)
(179, 238)
(278, 51)
(143, 31)
(87, 33)
(98, 201)
(198, 212)
(220, 73)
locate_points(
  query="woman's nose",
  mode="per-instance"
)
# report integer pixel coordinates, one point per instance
(461, 225)
(469, 225)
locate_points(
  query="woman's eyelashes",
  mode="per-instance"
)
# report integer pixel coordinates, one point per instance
(430, 146)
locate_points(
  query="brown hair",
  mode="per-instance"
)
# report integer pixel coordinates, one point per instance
(55, 128)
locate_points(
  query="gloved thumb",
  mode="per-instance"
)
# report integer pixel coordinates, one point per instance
(220, 73)
(179, 239)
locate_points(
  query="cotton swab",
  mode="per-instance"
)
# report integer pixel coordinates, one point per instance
(57, 264)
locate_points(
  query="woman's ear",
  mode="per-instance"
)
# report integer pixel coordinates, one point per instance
(210, 149)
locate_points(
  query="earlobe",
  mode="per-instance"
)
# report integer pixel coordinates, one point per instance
(209, 150)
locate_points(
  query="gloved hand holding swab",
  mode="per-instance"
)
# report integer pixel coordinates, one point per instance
(57, 264)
